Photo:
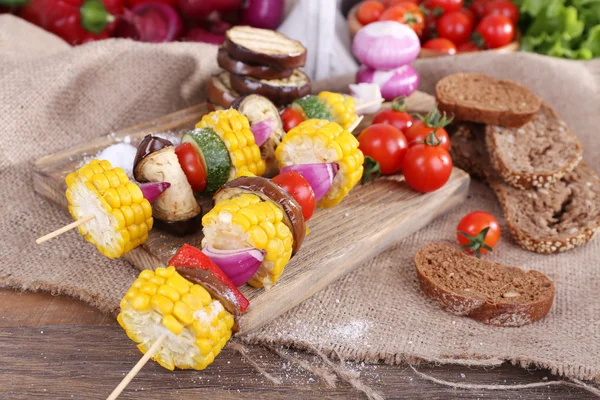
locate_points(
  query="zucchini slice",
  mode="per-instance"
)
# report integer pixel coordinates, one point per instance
(311, 107)
(214, 156)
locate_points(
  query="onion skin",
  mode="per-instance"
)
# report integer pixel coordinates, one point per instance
(238, 265)
(319, 176)
(386, 45)
(401, 81)
(151, 190)
(266, 14)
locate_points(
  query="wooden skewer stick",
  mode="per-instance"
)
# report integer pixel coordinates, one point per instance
(356, 123)
(65, 229)
(369, 104)
(136, 368)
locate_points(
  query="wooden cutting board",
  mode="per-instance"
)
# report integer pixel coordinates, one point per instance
(369, 220)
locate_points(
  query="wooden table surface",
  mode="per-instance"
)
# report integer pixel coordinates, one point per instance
(59, 348)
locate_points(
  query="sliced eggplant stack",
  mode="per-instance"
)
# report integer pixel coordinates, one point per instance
(268, 191)
(279, 91)
(219, 93)
(175, 210)
(264, 119)
(230, 64)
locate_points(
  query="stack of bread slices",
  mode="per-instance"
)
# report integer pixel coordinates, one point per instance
(516, 143)
(258, 61)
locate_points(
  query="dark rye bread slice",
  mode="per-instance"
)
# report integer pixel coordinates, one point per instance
(234, 66)
(279, 91)
(264, 47)
(543, 220)
(481, 98)
(488, 292)
(535, 155)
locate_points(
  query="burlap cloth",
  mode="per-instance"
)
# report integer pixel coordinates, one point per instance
(53, 97)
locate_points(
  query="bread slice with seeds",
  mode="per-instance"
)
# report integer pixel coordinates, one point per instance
(535, 155)
(483, 99)
(543, 220)
(488, 292)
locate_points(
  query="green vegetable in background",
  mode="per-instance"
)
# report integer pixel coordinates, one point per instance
(561, 28)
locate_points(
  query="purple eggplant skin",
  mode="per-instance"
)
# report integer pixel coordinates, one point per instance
(149, 145)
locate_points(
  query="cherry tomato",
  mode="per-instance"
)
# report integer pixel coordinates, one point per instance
(290, 119)
(407, 14)
(455, 26)
(470, 232)
(419, 132)
(192, 166)
(470, 14)
(386, 145)
(468, 47)
(478, 7)
(396, 116)
(447, 6)
(295, 184)
(440, 44)
(502, 7)
(426, 168)
(496, 31)
(369, 11)
(392, 3)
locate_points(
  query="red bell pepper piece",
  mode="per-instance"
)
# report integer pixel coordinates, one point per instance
(76, 21)
(190, 258)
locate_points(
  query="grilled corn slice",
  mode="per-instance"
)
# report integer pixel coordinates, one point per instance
(123, 216)
(163, 302)
(247, 221)
(234, 129)
(320, 141)
(341, 106)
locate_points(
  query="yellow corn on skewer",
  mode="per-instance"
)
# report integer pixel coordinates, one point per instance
(234, 130)
(163, 302)
(123, 216)
(320, 141)
(341, 107)
(247, 221)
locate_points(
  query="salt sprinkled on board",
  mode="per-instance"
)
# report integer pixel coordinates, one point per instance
(119, 155)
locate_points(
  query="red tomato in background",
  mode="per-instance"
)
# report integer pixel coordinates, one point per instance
(496, 31)
(290, 119)
(392, 3)
(473, 224)
(478, 7)
(396, 116)
(430, 30)
(407, 14)
(427, 168)
(192, 166)
(455, 26)
(386, 145)
(440, 44)
(446, 5)
(467, 47)
(469, 14)
(502, 7)
(419, 132)
(369, 11)
(295, 184)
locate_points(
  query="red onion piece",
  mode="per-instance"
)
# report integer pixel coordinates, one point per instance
(152, 22)
(152, 190)
(386, 45)
(397, 82)
(204, 36)
(319, 176)
(266, 14)
(200, 9)
(239, 265)
(262, 131)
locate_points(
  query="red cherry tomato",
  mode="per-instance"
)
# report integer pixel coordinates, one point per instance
(396, 116)
(392, 3)
(502, 7)
(468, 47)
(478, 7)
(407, 14)
(192, 166)
(419, 132)
(447, 6)
(386, 145)
(295, 184)
(473, 224)
(427, 168)
(455, 26)
(470, 14)
(290, 119)
(496, 31)
(440, 44)
(369, 11)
